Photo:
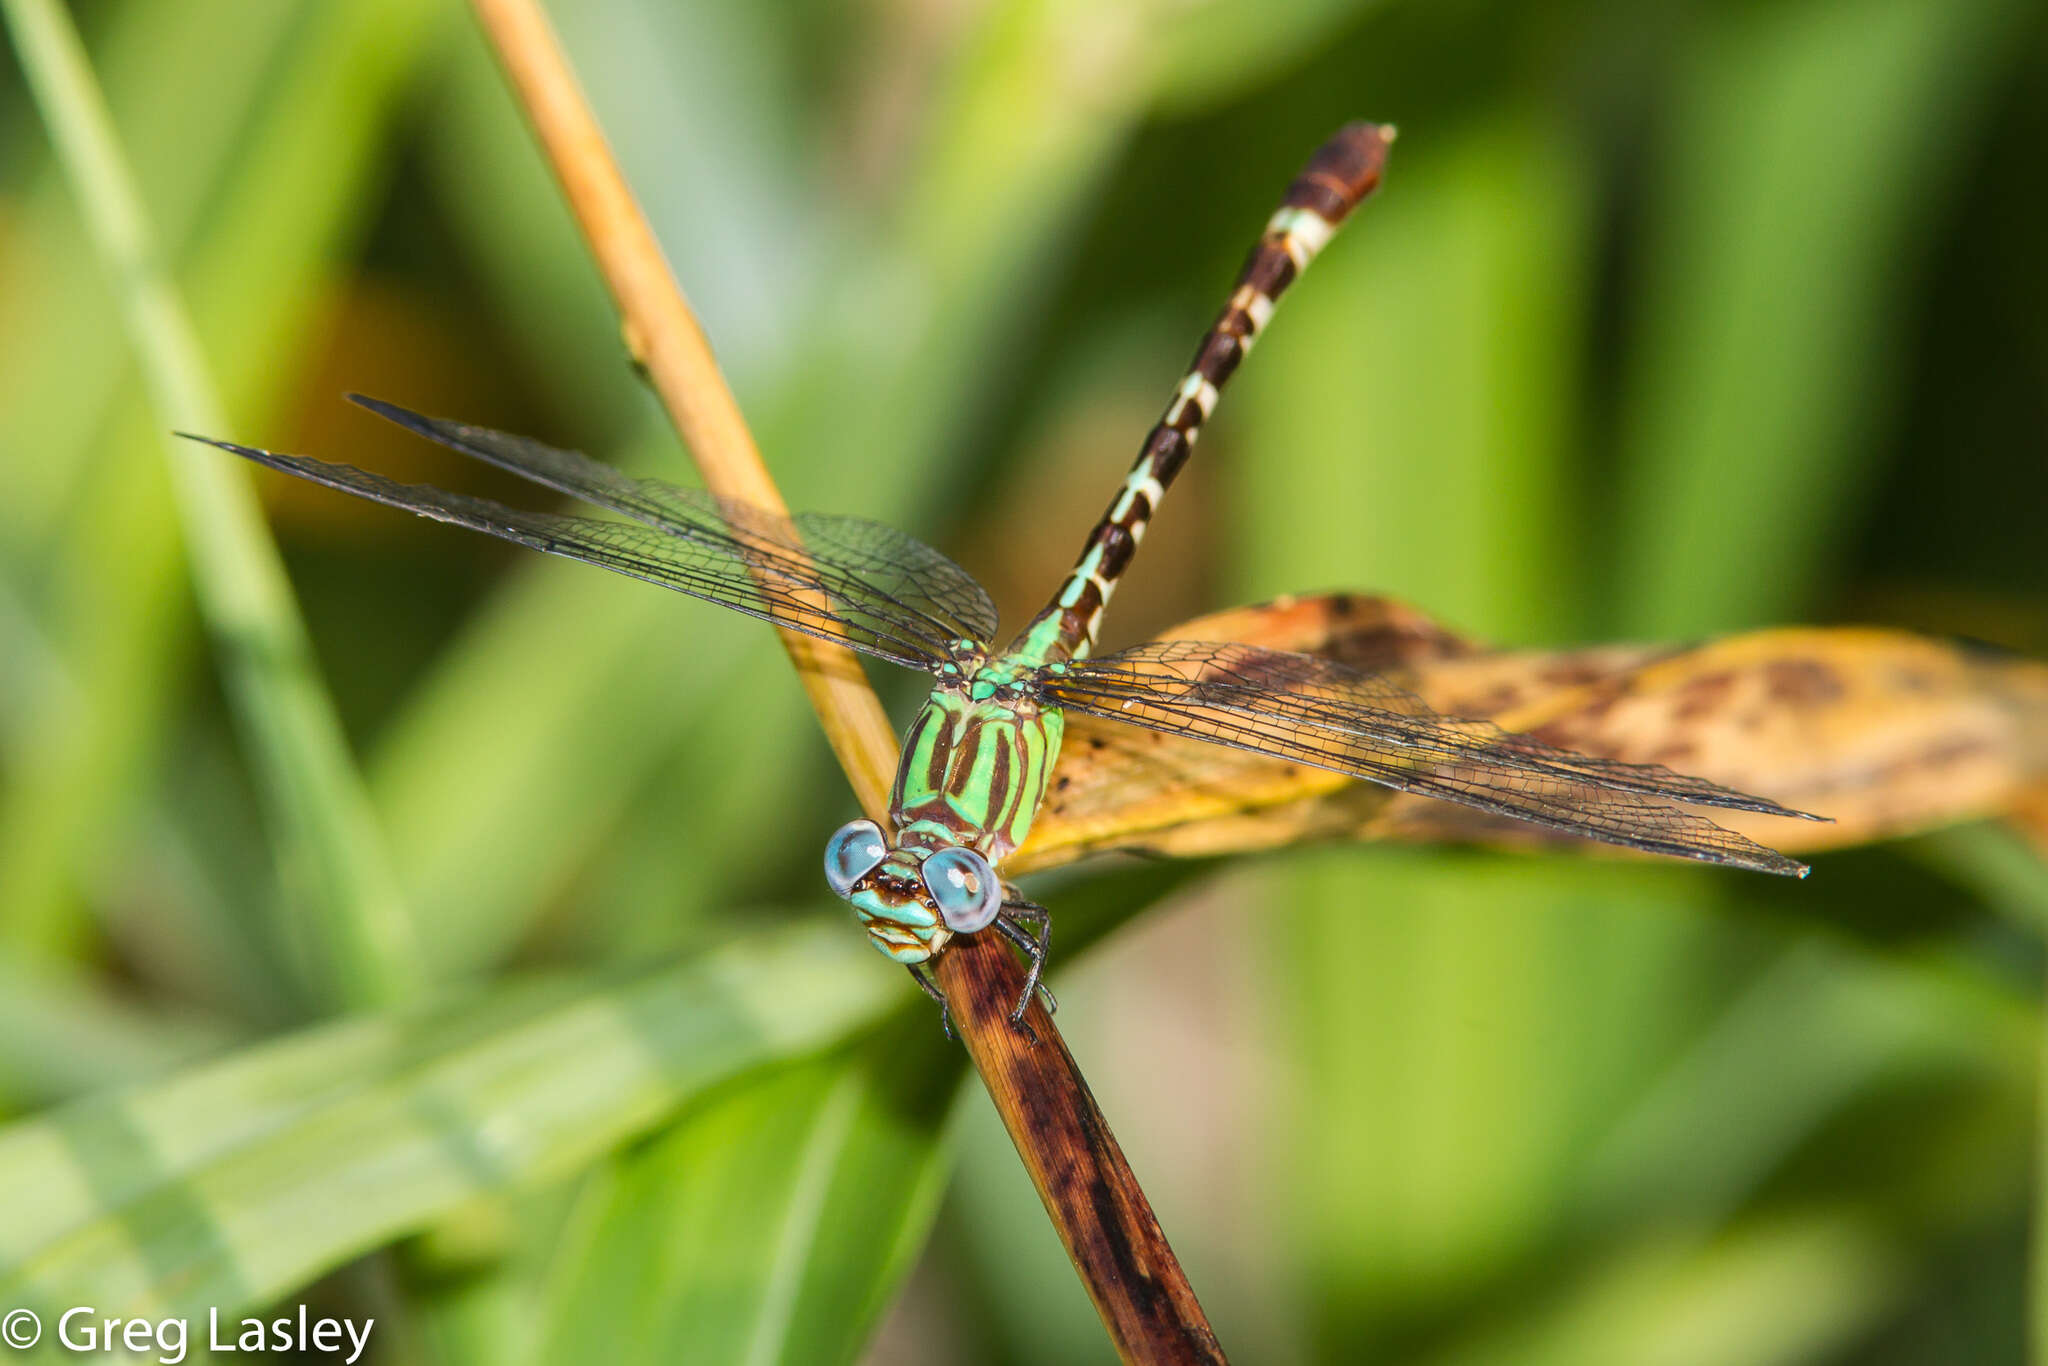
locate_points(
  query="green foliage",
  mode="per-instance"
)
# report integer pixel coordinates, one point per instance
(216, 1188)
(1672, 319)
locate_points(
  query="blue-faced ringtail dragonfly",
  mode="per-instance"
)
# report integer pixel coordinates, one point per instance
(977, 759)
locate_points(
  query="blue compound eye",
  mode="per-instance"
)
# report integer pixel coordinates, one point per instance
(852, 853)
(966, 889)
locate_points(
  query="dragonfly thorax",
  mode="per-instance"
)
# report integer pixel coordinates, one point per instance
(976, 760)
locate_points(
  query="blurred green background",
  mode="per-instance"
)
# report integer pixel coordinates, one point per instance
(541, 1040)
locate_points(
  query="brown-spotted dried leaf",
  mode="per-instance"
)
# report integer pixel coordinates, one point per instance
(1885, 731)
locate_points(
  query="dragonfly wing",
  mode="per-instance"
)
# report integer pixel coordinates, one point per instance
(855, 557)
(1315, 711)
(756, 564)
(915, 575)
(1121, 787)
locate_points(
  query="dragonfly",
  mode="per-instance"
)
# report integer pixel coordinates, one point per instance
(977, 759)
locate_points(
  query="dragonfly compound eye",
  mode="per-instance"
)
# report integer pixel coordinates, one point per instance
(852, 853)
(966, 889)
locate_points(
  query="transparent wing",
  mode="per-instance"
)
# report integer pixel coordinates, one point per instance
(859, 583)
(1317, 712)
(856, 558)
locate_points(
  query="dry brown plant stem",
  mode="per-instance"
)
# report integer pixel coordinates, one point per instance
(1088, 1188)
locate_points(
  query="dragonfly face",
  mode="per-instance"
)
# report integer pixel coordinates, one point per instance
(886, 889)
(911, 900)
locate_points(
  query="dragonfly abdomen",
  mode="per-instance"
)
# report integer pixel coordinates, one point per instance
(1342, 172)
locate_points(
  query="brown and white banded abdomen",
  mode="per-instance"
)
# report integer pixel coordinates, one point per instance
(1342, 172)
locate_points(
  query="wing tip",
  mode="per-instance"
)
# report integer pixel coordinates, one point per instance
(1728, 799)
(256, 453)
(1791, 813)
(391, 412)
(1761, 858)
(1765, 806)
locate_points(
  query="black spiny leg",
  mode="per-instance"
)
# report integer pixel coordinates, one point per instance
(1016, 914)
(922, 976)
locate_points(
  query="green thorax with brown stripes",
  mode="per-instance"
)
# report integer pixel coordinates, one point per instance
(976, 759)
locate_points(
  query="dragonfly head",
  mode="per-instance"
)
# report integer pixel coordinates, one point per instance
(911, 899)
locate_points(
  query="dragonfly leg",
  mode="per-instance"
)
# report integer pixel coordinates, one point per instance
(919, 975)
(1039, 915)
(1016, 914)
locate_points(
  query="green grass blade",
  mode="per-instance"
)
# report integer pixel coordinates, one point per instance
(236, 1183)
(2011, 876)
(1776, 1290)
(1217, 51)
(1808, 143)
(62, 1035)
(111, 580)
(318, 808)
(1818, 1029)
(772, 1226)
(1426, 386)
(183, 85)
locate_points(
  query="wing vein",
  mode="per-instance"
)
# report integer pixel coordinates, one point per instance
(849, 553)
(1324, 714)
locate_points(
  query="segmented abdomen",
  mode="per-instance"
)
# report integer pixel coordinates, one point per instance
(1342, 172)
